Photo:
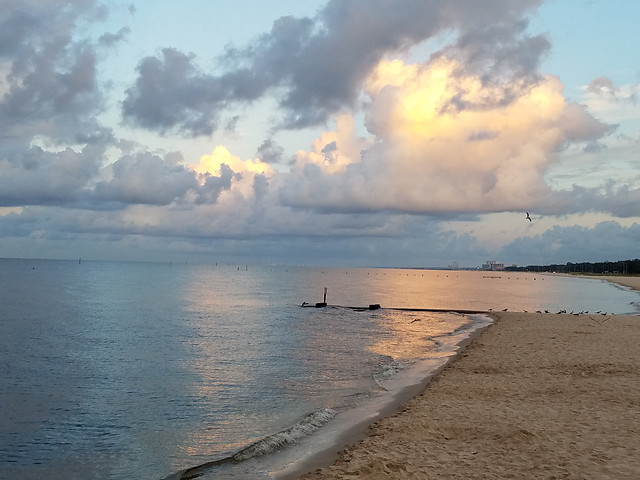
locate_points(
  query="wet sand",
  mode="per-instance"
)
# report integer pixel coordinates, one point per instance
(631, 282)
(534, 396)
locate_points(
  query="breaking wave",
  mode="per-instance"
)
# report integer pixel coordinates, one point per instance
(304, 427)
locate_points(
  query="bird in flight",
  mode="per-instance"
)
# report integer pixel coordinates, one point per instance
(528, 217)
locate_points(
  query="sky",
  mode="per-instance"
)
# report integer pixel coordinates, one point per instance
(348, 132)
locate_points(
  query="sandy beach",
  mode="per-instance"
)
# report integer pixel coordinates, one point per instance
(534, 396)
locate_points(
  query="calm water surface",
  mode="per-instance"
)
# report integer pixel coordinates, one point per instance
(135, 370)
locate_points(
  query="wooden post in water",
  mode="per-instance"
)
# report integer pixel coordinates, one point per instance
(324, 302)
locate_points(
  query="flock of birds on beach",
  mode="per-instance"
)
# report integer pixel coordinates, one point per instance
(528, 217)
(561, 312)
(598, 321)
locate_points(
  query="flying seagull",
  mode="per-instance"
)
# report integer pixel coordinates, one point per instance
(528, 217)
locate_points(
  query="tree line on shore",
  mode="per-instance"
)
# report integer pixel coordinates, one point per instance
(620, 267)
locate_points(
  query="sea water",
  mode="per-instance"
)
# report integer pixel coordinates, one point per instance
(146, 370)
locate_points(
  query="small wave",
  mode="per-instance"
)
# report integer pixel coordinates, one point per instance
(306, 426)
(386, 371)
(440, 343)
(475, 321)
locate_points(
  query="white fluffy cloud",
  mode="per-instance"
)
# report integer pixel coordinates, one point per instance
(439, 144)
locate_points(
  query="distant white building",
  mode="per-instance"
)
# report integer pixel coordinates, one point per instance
(493, 266)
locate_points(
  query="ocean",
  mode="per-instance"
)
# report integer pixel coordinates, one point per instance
(165, 371)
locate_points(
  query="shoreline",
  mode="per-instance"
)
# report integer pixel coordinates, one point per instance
(540, 395)
(360, 419)
(631, 282)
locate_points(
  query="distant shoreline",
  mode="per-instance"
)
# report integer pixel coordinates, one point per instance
(627, 281)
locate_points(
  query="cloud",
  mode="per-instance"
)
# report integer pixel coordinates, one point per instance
(474, 128)
(228, 179)
(501, 50)
(426, 157)
(316, 66)
(334, 150)
(612, 103)
(607, 241)
(144, 178)
(170, 93)
(601, 86)
(621, 200)
(451, 134)
(270, 152)
(49, 85)
(109, 39)
(39, 177)
(52, 143)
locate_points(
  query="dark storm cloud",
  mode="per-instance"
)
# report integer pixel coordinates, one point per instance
(317, 66)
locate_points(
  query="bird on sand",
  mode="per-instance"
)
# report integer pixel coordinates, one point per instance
(528, 217)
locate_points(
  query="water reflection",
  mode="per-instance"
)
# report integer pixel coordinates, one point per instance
(412, 334)
(259, 362)
(226, 349)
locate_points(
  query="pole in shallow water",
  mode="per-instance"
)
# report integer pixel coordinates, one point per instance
(324, 301)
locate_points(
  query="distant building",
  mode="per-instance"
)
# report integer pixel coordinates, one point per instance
(493, 266)
(454, 266)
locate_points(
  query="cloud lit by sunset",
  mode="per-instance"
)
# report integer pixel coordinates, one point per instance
(213, 162)
(440, 143)
(334, 150)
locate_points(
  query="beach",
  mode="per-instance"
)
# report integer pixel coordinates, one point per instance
(535, 395)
